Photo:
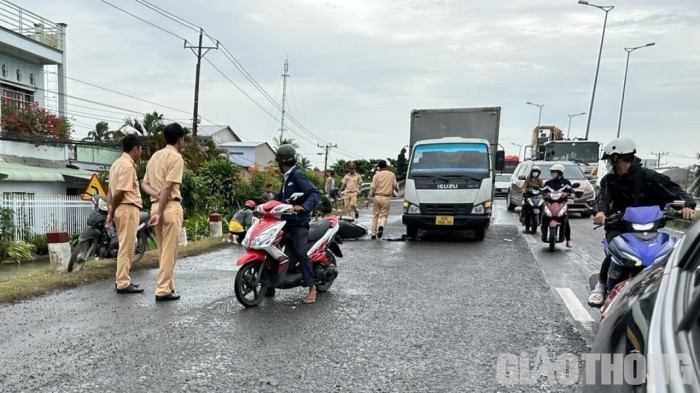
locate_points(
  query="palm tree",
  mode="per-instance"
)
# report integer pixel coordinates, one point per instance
(285, 141)
(101, 133)
(152, 124)
(303, 163)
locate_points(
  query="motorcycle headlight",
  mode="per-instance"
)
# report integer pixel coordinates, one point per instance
(264, 238)
(529, 202)
(631, 260)
(547, 212)
(562, 211)
(478, 209)
(102, 205)
(555, 196)
(643, 227)
(409, 208)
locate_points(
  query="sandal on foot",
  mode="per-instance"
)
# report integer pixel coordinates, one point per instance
(308, 300)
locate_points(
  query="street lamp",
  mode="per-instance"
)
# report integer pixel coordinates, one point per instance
(519, 146)
(539, 117)
(624, 84)
(570, 116)
(606, 8)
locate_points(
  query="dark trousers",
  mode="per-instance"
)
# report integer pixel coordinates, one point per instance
(298, 240)
(567, 229)
(610, 234)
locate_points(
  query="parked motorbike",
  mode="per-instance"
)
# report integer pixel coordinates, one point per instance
(637, 249)
(531, 213)
(266, 265)
(96, 240)
(556, 214)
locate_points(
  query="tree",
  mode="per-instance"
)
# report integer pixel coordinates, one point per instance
(285, 141)
(150, 129)
(101, 133)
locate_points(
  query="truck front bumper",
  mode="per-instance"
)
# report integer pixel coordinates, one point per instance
(460, 222)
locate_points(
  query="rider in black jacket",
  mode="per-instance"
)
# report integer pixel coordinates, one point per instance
(628, 184)
(558, 183)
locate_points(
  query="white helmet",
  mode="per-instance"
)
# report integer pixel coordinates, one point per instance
(557, 167)
(619, 146)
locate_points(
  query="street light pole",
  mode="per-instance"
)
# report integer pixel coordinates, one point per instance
(607, 9)
(624, 83)
(571, 116)
(519, 147)
(539, 117)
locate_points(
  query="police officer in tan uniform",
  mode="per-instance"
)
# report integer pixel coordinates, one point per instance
(382, 189)
(124, 204)
(162, 182)
(352, 185)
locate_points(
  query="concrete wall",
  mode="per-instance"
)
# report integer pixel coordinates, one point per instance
(33, 150)
(13, 63)
(241, 155)
(224, 136)
(36, 188)
(264, 154)
(96, 155)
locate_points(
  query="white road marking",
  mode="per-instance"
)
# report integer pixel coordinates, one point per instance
(574, 305)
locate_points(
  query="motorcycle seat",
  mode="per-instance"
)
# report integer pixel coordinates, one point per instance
(144, 215)
(317, 229)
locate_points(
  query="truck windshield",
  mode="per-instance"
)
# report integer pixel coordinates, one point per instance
(460, 159)
(581, 152)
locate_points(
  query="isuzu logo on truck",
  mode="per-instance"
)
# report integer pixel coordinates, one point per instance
(447, 186)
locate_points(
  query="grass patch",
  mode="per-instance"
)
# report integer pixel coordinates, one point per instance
(42, 281)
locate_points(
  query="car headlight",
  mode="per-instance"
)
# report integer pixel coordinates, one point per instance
(478, 209)
(264, 238)
(409, 208)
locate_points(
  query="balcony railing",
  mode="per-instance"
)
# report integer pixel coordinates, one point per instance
(31, 25)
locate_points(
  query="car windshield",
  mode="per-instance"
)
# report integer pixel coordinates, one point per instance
(570, 171)
(451, 159)
(502, 178)
(584, 152)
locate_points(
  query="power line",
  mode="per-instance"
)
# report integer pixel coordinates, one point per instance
(143, 20)
(169, 15)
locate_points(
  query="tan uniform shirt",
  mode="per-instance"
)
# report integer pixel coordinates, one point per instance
(383, 183)
(122, 177)
(166, 164)
(353, 183)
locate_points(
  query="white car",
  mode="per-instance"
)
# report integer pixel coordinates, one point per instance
(501, 185)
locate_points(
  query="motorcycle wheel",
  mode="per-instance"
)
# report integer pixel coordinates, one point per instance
(83, 251)
(552, 241)
(141, 246)
(244, 285)
(327, 285)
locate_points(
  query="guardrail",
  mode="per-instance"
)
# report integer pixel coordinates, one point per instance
(31, 25)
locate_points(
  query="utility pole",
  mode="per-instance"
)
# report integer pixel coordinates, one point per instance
(200, 55)
(326, 147)
(285, 75)
(659, 155)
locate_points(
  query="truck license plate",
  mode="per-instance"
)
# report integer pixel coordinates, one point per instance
(444, 220)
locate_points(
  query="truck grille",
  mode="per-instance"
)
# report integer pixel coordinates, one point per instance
(445, 209)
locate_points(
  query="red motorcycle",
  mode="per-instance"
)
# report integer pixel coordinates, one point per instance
(556, 214)
(265, 265)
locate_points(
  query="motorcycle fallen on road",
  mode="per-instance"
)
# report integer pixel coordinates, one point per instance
(639, 248)
(265, 265)
(96, 240)
(556, 214)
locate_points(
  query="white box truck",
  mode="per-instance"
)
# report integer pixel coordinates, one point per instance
(454, 156)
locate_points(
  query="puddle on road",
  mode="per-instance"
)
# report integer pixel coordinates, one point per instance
(11, 269)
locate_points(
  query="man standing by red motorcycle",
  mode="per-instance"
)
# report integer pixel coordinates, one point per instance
(555, 184)
(299, 191)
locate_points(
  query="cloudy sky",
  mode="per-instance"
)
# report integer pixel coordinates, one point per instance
(359, 67)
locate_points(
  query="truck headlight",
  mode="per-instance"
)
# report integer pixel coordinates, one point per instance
(409, 208)
(479, 209)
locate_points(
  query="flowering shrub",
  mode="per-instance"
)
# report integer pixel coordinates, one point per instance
(30, 119)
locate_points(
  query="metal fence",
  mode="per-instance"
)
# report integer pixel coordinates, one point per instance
(31, 25)
(38, 214)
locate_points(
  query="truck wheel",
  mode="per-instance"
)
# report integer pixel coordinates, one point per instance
(511, 206)
(480, 233)
(411, 231)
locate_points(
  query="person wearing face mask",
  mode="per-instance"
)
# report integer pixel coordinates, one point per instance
(628, 184)
(557, 183)
(532, 180)
(299, 191)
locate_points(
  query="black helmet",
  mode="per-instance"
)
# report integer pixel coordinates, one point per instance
(286, 154)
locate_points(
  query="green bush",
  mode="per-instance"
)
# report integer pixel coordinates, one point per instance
(197, 227)
(17, 251)
(7, 224)
(39, 242)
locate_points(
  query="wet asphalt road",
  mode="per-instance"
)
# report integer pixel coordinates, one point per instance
(431, 315)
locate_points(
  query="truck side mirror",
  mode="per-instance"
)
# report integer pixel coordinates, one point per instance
(500, 160)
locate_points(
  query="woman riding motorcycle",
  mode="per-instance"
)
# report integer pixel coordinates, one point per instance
(559, 183)
(532, 180)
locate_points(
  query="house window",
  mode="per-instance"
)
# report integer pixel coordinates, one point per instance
(17, 97)
(19, 75)
(4, 71)
(31, 79)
